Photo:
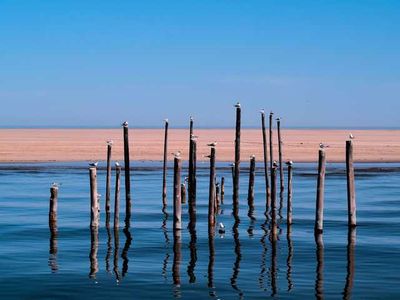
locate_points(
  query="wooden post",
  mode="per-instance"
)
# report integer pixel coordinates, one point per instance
(290, 193)
(319, 209)
(274, 227)
(128, 203)
(117, 194)
(108, 184)
(250, 196)
(183, 193)
(164, 192)
(94, 208)
(233, 172)
(217, 195)
(222, 189)
(271, 144)
(265, 153)
(53, 208)
(281, 175)
(192, 183)
(351, 194)
(177, 225)
(211, 195)
(237, 161)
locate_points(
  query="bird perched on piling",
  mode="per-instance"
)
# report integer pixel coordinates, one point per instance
(351, 136)
(110, 142)
(166, 120)
(117, 164)
(275, 164)
(289, 163)
(252, 156)
(237, 105)
(262, 111)
(176, 154)
(323, 146)
(208, 156)
(278, 119)
(93, 164)
(55, 184)
(194, 137)
(213, 144)
(125, 124)
(221, 228)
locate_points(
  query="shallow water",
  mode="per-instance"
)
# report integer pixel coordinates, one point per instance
(143, 262)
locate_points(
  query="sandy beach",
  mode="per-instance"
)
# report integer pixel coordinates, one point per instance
(44, 145)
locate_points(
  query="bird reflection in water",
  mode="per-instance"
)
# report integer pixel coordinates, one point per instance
(350, 268)
(94, 245)
(319, 281)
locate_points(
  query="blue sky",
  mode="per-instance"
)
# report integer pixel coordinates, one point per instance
(96, 63)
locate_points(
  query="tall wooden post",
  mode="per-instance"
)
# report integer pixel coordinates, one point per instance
(177, 225)
(108, 184)
(211, 194)
(290, 193)
(252, 173)
(271, 143)
(222, 189)
(128, 203)
(164, 192)
(265, 153)
(319, 209)
(53, 207)
(274, 227)
(237, 161)
(281, 175)
(117, 194)
(192, 183)
(351, 194)
(94, 208)
(233, 172)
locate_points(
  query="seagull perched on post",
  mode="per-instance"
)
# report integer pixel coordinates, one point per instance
(166, 120)
(55, 184)
(194, 137)
(262, 111)
(117, 164)
(237, 105)
(278, 119)
(289, 163)
(125, 124)
(323, 146)
(93, 164)
(351, 136)
(110, 142)
(176, 154)
(275, 164)
(213, 144)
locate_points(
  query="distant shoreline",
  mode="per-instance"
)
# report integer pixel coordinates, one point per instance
(300, 145)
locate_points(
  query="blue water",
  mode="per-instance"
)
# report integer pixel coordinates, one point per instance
(141, 263)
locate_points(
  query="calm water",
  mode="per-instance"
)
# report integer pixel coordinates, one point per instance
(141, 263)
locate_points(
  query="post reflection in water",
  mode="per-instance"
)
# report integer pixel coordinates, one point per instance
(319, 281)
(193, 256)
(53, 250)
(289, 257)
(116, 254)
(94, 245)
(166, 237)
(350, 268)
(273, 270)
(211, 259)
(250, 214)
(124, 254)
(109, 249)
(176, 277)
(263, 268)
(236, 265)
(280, 206)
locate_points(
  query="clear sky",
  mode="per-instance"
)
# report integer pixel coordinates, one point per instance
(97, 63)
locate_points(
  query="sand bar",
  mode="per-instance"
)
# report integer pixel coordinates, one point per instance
(44, 145)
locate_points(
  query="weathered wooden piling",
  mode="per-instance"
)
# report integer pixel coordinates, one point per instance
(319, 209)
(222, 189)
(108, 184)
(265, 154)
(280, 146)
(233, 172)
(117, 194)
(252, 173)
(164, 191)
(274, 226)
(271, 143)
(351, 194)
(237, 160)
(290, 193)
(128, 204)
(177, 225)
(192, 183)
(183, 193)
(53, 208)
(94, 204)
(217, 195)
(211, 195)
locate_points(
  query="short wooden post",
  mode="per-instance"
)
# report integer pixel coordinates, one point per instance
(53, 208)
(128, 203)
(222, 189)
(164, 192)
(217, 195)
(351, 194)
(265, 154)
(177, 225)
(281, 175)
(319, 209)
(183, 193)
(117, 194)
(290, 193)
(274, 227)
(192, 183)
(252, 173)
(108, 184)
(237, 160)
(94, 208)
(211, 195)
(271, 143)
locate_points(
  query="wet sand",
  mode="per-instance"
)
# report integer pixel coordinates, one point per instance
(44, 145)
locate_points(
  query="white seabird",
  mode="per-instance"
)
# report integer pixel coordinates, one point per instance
(351, 136)
(125, 124)
(322, 146)
(93, 164)
(221, 228)
(237, 105)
